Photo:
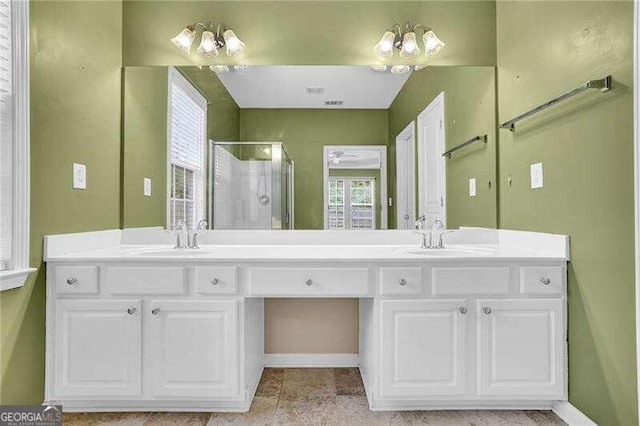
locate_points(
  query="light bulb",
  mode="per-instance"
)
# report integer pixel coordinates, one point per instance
(400, 69)
(240, 67)
(432, 44)
(219, 69)
(409, 45)
(184, 40)
(379, 68)
(419, 67)
(208, 44)
(234, 45)
(385, 45)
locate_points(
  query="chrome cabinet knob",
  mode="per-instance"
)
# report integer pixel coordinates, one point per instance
(486, 310)
(309, 282)
(72, 280)
(545, 280)
(402, 282)
(215, 281)
(131, 310)
(155, 311)
(463, 309)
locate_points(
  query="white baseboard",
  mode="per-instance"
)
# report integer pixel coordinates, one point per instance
(571, 415)
(312, 360)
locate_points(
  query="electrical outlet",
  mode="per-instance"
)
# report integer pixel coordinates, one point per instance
(147, 187)
(536, 176)
(472, 187)
(79, 176)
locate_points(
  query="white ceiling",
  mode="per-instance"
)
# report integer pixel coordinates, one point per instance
(359, 87)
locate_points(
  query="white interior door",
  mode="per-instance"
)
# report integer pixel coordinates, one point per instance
(98, 348)
(431, 163)
(194, 347)
(405, 178)
(521, 344)
(423, 347)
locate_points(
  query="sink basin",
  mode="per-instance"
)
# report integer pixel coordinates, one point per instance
(452, 252)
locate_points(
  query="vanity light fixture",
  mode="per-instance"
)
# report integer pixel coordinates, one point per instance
(379, 68)
(240, 67)
(219, 69)
(397, 69)
(405, 41)
(400, 69)
(211, 40)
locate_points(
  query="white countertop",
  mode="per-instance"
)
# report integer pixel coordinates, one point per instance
(470, 244)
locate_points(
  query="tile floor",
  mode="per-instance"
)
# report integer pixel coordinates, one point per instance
(317, 396)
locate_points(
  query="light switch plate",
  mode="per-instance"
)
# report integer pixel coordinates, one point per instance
(472, 187)
(536, 176)
(147, 187)
(79, 176)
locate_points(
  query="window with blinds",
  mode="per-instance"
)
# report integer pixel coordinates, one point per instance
(187, 177)
(7, 139)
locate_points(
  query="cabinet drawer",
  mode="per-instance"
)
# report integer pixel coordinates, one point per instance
(76, 279)
(306, 282)
(400, 281)
(144, 280)
(541, 279)
(217, 280)
(485, 280)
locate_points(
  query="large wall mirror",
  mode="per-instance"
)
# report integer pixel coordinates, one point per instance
(309, 147)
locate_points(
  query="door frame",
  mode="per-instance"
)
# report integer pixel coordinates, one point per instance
(636, 177)
(408, 134)
(382, 149)
(437, 102)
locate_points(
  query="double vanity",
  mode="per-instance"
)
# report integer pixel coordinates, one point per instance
(136, 325)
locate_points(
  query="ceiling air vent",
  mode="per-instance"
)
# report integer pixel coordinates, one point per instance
(315, 90)
(333, 103)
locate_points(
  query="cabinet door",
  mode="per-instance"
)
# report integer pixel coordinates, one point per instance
(423, 347)
(192, 348)
(521, 347)
(97, 348)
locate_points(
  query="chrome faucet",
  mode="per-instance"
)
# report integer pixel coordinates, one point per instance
(182, 237)
(419, 227)
(202, 225)
(437, 231)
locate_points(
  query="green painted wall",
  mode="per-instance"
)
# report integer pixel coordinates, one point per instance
(308, 32)
(370, 173)
(145, 136)
(304, 133)
(586, 146)
(145, 146)
(75, 117)
(470, 110)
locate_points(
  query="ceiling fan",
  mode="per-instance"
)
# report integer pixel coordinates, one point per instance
(337, 156)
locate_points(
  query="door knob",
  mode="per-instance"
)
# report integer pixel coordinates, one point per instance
(131, 310)
(486, 310)
(72, 280)
(155, 311)
(463, 309)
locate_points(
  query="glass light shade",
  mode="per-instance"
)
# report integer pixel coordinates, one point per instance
(400, 69)
(219, 69)
(240, 67)
(432, 44)
(385, 45)
(409, 45)
(234, 45)
(208, 44)
(419, 67)
(379, 68)
(184, 40)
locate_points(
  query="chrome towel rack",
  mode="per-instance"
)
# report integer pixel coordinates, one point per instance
(463, 144)
(603, 84)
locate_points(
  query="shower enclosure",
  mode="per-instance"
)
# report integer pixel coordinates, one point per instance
(250, 186)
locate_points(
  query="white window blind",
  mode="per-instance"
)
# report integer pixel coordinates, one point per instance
(6, 138)
(187, 174)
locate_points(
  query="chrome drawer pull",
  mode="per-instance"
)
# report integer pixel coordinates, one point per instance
(486, 310)
(309, 282)
(215, 281)
(463, 309)
(72, 280)
(155, 311)
(545, 280)
(402, 282)
(131, 310)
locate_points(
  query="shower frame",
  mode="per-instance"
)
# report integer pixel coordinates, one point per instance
(277, 149)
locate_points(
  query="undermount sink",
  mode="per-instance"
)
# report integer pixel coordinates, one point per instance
(453, 252)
